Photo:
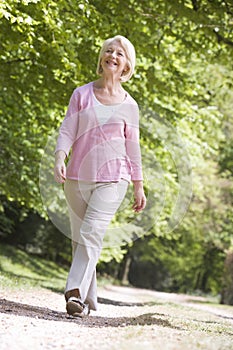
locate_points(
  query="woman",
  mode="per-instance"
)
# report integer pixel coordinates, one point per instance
(102, 127)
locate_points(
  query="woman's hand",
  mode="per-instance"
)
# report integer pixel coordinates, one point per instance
(139, 196)
(60, 167)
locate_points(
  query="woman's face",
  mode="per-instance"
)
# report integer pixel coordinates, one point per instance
(114, 59)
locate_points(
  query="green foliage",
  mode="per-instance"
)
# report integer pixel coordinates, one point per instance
(185, 264)
(40, 237)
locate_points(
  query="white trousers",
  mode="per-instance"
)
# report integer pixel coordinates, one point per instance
(91, 206)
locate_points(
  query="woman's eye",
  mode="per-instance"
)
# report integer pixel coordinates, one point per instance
(120, 54)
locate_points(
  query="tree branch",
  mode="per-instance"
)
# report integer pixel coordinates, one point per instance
(195, 5)
(222, 39)
(17, 60)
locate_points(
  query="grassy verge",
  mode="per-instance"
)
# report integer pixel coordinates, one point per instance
(21, 270)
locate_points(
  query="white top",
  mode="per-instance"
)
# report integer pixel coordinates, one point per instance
(104, 112)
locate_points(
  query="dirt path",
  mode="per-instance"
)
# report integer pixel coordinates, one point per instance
(127, 318)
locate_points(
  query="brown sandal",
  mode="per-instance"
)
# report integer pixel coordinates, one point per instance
(75, 307)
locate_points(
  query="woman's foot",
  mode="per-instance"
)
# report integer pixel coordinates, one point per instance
(75, 307)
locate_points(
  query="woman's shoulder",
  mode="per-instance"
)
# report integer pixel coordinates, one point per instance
(86, 88)
(131, 99)
(83, 96)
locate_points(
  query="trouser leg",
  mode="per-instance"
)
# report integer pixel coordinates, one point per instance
(77, 197)
(104, 200)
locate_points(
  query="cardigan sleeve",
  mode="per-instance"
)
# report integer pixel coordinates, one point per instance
(69, 127)
(132, 145)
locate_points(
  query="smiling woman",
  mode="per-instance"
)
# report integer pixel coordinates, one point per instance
(102, 128)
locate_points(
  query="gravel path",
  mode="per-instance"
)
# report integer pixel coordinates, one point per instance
(127, 318)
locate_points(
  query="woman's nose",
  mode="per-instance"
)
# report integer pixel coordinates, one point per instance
(114, 54)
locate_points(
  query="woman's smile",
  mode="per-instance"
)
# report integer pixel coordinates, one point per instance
(111, 63)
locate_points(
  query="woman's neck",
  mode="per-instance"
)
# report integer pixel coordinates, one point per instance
(109, 86)
(108, 92)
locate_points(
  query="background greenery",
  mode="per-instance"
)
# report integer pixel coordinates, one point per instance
(184, 76)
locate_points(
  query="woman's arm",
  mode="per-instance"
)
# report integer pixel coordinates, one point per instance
(134, 153)
(69, 127)
(66, 138)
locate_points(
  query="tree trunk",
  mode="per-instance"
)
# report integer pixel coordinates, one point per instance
(125, 275)
(227, 292)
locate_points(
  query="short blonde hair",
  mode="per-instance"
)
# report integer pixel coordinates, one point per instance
(130, 55)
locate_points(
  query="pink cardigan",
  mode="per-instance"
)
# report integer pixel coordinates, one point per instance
(100, 153)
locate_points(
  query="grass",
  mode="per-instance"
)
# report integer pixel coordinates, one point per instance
(20, 270)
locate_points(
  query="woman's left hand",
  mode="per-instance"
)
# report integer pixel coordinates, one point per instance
(139, 196)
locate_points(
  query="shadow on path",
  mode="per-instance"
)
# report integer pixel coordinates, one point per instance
(18, 309)
(123, 303)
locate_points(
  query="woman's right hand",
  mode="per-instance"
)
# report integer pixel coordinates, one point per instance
(60, 167)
